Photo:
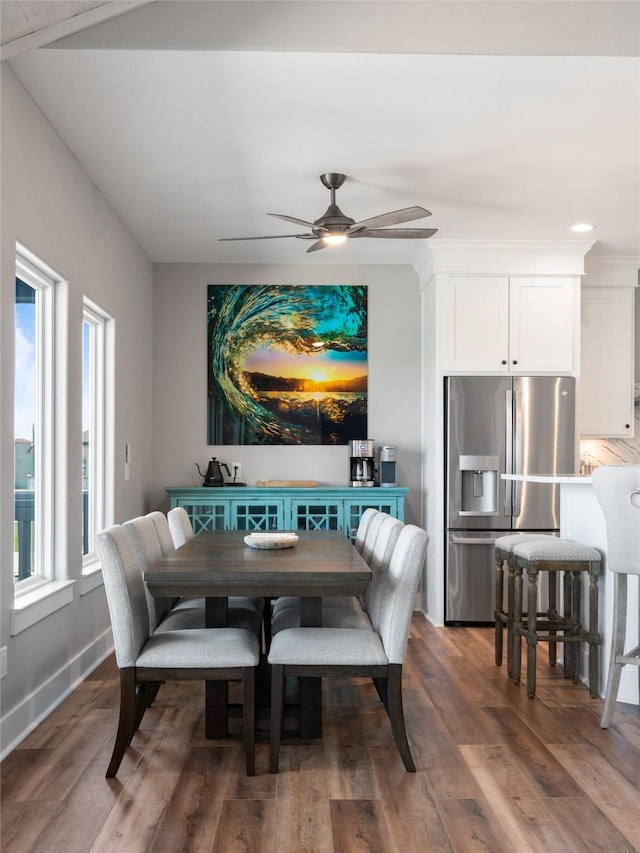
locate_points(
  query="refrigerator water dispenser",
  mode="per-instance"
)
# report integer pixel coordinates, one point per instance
(479, 485)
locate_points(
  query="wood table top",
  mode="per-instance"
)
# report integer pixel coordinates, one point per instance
(218, 563)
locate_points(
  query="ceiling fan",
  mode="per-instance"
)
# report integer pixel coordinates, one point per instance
(334, 228)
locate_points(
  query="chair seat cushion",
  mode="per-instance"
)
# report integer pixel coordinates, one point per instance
(332, 617)
(191, 619)
(243, 601)
(554, 549)
(507, 543)
(286, 602)
(206, 647)
(328, 647)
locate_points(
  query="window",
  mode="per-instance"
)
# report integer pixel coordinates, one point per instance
(94, 456)
(33, 424)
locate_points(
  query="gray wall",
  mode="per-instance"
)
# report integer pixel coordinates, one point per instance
(180, 379)
(49, 205)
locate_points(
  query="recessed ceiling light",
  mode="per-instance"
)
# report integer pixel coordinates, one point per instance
(579, 227)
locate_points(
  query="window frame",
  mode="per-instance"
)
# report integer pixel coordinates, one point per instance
(98, 458)
(43, 281)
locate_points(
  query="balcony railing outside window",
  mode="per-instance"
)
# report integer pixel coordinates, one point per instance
(23, 531)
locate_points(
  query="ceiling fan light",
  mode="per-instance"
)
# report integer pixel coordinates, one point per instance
(334, 239)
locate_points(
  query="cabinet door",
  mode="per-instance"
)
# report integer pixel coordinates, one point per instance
(206, 516)
(607, 355)
(475, 323)
(353, 510)
(258, 515)
(541, 321)
(316, 515)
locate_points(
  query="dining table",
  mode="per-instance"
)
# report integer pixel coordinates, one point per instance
(217, 564)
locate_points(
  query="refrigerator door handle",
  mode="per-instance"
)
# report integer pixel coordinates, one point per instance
(517, 467)
(508, 462)
(475, 540)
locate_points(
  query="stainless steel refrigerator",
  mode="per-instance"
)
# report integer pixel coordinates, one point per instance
(499, 425)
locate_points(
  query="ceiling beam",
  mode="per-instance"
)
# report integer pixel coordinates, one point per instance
(68, 26)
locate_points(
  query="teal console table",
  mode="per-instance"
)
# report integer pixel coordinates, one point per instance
(284, 508)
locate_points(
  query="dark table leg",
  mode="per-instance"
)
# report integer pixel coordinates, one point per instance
(216, 692)
(311, 688)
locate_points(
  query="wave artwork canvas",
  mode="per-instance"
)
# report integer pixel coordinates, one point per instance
(287, 364)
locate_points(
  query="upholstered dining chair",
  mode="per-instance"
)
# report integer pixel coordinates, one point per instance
(366, 536)
(163, 530)
(378, 653)
(335, 613)
(182, 614)
(363, 526)
(617, 489)
(180, 526)
(181, 532)
(144, 660)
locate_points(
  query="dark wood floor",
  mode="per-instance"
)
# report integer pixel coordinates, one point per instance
(496, 771)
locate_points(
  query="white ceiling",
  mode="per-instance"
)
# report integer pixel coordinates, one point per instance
(508, 120)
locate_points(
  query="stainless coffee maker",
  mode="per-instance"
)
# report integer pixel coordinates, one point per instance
(361, 462)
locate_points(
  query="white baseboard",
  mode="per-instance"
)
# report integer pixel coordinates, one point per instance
(20, 721)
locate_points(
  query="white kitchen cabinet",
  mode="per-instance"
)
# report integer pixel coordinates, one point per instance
(510, 324)
(607, 362)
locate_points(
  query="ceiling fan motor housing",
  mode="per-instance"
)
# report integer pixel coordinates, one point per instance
(333, 219)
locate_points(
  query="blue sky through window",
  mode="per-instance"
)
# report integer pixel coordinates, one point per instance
(25, 371)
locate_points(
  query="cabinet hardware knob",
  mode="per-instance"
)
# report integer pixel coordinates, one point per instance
(626, 426)
(504, 361)
(515, 360)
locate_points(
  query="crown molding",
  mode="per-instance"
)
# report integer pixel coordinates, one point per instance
(502, 257)
(612, 271)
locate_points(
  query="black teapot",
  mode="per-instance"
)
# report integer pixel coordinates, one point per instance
(213, 477)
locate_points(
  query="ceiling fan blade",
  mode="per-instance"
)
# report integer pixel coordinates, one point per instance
(396, 233)
(394, 217)
(319, 244)
(269, 237)
(295, 221)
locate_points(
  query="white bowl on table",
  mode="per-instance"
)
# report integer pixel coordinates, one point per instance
(272, 540)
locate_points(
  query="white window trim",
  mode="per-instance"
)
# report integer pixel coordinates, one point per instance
(45, 593)
(32, 605)
(100, 469)
(42, 279)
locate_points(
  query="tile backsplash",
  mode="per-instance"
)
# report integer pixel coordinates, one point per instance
(612, 451)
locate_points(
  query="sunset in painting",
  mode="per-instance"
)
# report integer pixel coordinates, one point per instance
(322, 368)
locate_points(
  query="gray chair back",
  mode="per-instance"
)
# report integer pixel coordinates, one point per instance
(372, 534)
(380, 559)
(164, 532)
(180, 526)
(363, 526)
(148, 549)
(400, 584)
(617, 489)
(125, 593)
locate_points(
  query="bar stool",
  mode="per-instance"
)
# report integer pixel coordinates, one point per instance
(504, 556)
(552, 556)
(617, 489)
